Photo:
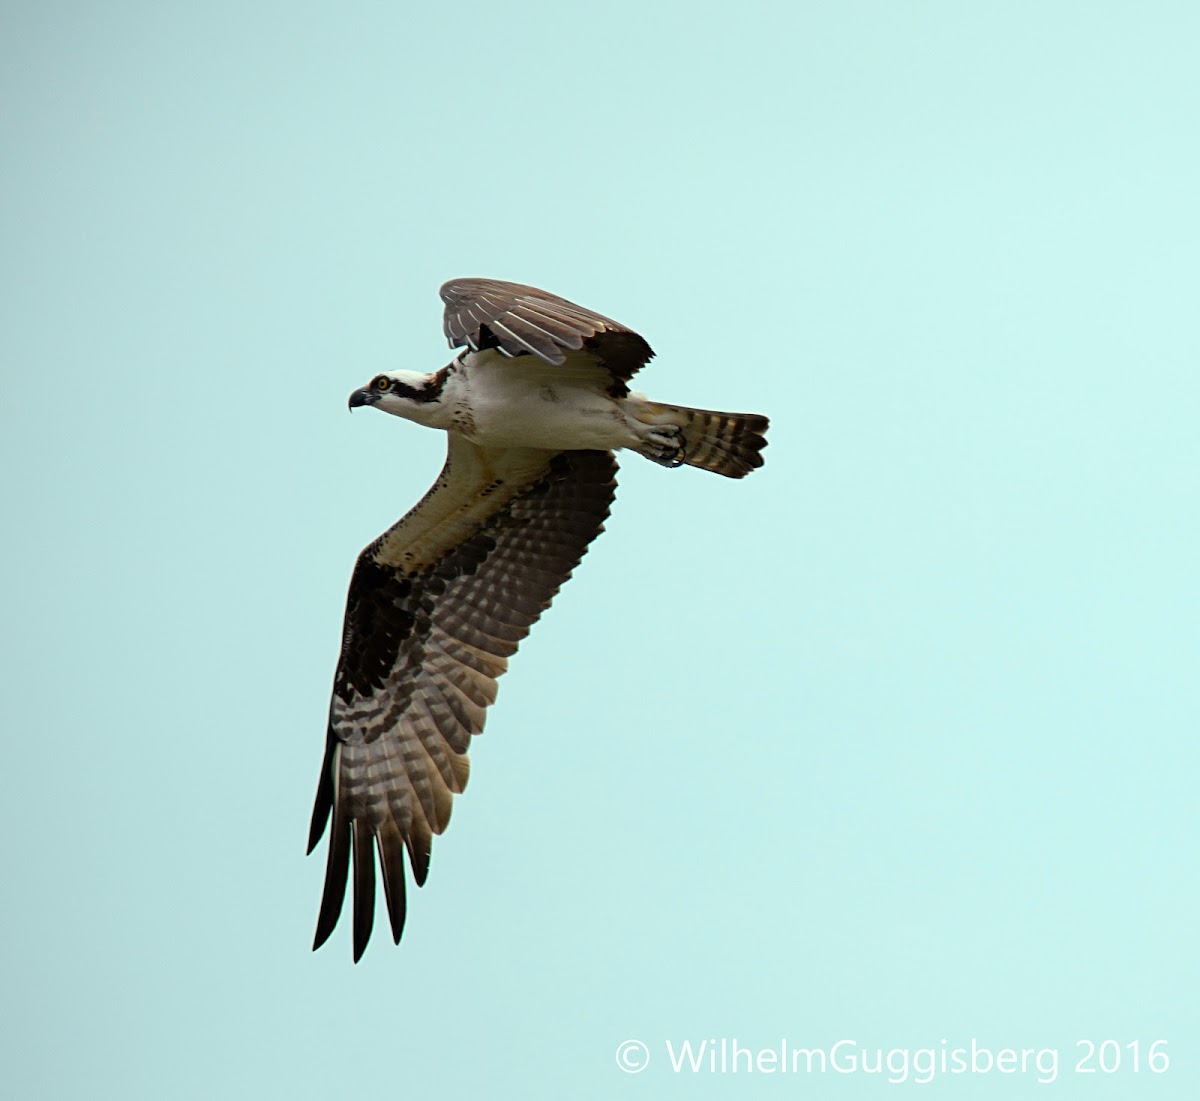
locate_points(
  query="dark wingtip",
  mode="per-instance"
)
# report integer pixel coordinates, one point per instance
(391, 865)
(323, 804)
(316, 831)
(364, 887)
(337, 868)
(418, 856)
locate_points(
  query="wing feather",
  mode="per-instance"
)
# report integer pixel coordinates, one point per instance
(391, 866)
(337, 865)
(364, 887)
(517, 319)
(531, 344)
(436, 607)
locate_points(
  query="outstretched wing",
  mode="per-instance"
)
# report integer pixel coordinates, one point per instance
(520, 320)
(436, 607)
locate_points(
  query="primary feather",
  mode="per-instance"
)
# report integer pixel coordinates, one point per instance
(533, 411)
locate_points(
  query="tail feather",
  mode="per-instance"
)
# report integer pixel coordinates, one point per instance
(725, 443)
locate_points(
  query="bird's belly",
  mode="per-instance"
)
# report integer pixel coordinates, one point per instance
(554, 417)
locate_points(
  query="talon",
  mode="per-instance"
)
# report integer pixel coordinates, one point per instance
(665, 445)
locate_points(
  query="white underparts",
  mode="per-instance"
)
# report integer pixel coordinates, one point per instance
(499, 402)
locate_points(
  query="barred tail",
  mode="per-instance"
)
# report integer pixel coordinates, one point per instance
(725, 443)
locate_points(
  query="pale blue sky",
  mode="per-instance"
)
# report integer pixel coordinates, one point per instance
(893, 741)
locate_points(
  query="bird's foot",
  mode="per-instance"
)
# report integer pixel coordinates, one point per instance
(664, 444)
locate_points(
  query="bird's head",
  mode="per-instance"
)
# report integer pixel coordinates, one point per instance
(407, 394)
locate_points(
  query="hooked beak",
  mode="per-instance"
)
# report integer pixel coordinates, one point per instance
(363, 397)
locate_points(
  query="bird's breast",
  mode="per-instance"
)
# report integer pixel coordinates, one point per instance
(513, 406)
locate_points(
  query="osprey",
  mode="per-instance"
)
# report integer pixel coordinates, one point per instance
(533, 410)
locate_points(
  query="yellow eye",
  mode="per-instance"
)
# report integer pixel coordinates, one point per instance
(382, 382)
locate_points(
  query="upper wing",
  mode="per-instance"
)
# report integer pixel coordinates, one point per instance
(521, 320)
(436, 607)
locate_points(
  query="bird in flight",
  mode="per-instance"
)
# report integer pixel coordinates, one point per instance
(533, 409)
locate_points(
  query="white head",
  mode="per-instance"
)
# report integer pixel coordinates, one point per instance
(407, 394)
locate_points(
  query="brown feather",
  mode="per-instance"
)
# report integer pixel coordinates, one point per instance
(435, 608)
(519, 319)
